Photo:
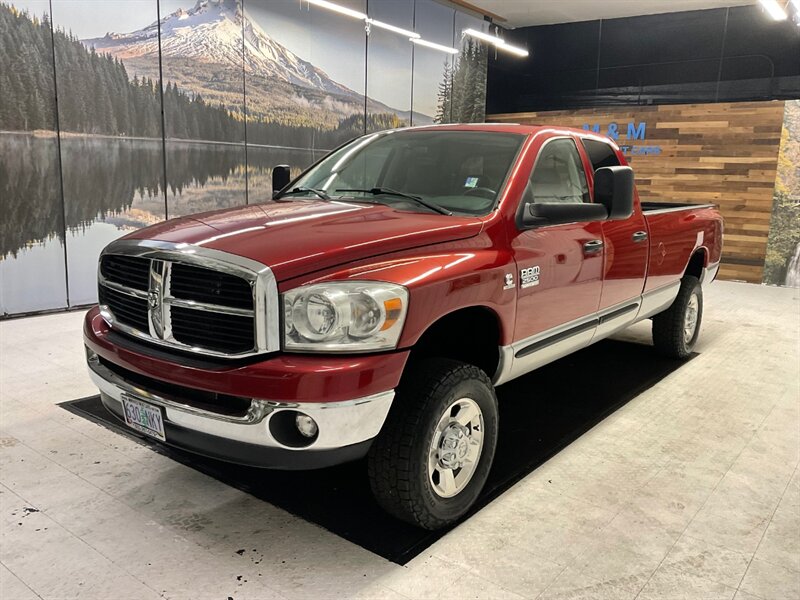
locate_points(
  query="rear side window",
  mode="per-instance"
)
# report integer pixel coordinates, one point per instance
(558, 175)
(600, 154)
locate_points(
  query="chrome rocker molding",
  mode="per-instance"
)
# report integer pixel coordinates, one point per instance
(340, 423)
(266, 313)
(538, 350)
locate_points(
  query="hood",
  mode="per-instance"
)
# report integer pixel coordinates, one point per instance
(302, 236)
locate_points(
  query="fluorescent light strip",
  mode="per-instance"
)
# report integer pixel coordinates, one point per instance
(388, 27)
(513, 49)
(339, 9)
(492, 39)
(774, 9)
(433, 45)
(497, 41)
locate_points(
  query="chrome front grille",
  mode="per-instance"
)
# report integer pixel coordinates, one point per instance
(212, 287)
(189, 298)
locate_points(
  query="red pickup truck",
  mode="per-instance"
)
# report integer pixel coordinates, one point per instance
(374, 305)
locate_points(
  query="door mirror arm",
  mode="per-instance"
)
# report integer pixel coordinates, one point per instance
(557, 213)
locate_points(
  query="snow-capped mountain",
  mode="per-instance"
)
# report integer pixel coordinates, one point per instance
(211, 33)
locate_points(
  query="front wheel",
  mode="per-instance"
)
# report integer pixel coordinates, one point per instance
(675, 331)
(432, 458)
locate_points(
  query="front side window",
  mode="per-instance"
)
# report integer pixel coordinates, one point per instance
(458, 171)
(558, 175)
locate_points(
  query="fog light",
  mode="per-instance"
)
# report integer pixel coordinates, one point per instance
(306, 425)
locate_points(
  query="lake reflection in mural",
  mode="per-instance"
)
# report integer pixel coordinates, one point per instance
(116, 187)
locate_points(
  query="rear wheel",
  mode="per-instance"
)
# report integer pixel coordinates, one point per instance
(675, 331)
(432, 457)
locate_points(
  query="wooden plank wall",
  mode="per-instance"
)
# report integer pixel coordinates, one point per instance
(723, 153)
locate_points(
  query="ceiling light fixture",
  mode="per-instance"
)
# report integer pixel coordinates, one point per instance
(388, 27)
(339, 9)
(492, 39)
(497, 41)
(775, 10)
(433, 45)
(513, 50)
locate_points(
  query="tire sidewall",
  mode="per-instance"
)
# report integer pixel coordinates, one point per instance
(448, 509)
(696, 290)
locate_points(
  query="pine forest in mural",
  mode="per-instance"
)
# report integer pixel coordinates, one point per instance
(236, 101)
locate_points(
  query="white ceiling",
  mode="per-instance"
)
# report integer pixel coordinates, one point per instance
(521, 13)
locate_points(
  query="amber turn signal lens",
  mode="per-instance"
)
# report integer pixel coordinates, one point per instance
(394, 308)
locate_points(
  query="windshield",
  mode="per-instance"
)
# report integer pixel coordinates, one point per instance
(422, 170)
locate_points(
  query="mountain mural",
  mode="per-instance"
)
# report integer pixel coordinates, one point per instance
(203, 50)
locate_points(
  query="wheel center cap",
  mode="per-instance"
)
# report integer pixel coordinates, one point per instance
(454, 446)
(462, 448)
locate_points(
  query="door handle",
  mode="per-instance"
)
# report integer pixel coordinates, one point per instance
(593, 247)
(639, 236)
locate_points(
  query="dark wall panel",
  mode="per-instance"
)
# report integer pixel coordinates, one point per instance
(661, 39)
(655, 59)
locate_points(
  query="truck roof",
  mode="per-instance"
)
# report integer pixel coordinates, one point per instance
(507, 128)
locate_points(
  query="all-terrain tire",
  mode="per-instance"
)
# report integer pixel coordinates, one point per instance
(671, 334)
(398, 462)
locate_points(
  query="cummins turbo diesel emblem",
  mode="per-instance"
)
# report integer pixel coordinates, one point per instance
(529, 277)
(508, 283)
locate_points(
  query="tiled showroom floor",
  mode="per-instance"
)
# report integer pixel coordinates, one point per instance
(691, 490)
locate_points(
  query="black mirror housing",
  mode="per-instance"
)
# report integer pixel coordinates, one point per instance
(556, 213)
(281, 176)
(613, 188)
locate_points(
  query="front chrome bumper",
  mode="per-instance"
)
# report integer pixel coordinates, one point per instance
(352, 423)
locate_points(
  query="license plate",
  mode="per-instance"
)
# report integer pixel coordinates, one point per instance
(143, 417)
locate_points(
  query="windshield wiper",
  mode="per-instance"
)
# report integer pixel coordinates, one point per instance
(305, 190)
(379, 191)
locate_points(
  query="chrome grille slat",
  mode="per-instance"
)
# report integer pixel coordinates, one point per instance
(130, 271)
(214, 308)
(123, 289)
(197, 300)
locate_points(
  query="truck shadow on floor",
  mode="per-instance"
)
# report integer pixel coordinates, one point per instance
(540, 414)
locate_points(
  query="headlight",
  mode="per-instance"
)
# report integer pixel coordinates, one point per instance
(344, 316)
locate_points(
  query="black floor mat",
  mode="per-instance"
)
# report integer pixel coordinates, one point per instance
(540, 414)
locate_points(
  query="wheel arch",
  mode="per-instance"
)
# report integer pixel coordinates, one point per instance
(470, 334)
(697, 264)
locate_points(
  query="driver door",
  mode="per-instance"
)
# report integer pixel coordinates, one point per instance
(559, 267)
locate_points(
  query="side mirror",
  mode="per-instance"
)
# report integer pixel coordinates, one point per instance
(555, 213)
(613, 188)
(281, 176)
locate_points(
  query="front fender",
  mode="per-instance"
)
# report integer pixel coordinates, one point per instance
(440, 283)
